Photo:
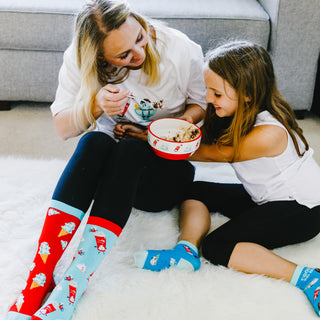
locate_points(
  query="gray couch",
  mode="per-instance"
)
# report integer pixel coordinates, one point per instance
(35, 33)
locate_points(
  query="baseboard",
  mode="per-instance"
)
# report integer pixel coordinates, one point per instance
(5, 105)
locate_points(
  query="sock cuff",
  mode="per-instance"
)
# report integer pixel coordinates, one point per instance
(190, 245)
(106, 224)
(12, 315)
(55, 204)
(296, 275)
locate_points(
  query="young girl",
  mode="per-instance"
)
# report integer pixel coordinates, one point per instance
(115, 53)
(249, 125)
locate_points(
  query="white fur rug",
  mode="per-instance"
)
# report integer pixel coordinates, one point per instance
(121, 291)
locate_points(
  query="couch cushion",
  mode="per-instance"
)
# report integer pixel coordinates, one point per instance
(37, 24)
(221, 19)
(48, 25)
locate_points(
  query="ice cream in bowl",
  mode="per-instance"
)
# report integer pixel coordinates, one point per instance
(174, 139)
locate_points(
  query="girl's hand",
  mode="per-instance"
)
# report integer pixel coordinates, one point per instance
(193, 114)
(110, 100)
(125, 130)
(187, 118)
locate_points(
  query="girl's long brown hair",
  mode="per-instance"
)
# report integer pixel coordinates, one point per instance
(248, 68)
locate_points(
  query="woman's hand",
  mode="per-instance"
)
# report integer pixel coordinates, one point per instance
(110, 100)
(125, 130)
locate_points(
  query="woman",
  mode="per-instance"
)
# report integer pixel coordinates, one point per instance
(120, 72)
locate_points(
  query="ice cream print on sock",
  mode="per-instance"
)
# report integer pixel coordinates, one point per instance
(66, 229)
(50, 248)
(183, 256)
(51, 308)
(100, 240)
(44, 251)
(309, 283)
(38, 281)
(98, 237)
(64, 244)
(20, 301)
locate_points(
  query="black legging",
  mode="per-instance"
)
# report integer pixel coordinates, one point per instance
(118, 176)
(272, 225)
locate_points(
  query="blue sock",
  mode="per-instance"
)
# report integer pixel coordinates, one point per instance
(98, 237)
(308, 280)
(183, 256)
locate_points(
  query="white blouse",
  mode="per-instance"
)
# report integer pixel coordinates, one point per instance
(284, 177)
(181, 82)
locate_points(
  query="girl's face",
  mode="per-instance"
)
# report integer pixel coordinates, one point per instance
(220, 94)
(126, 46)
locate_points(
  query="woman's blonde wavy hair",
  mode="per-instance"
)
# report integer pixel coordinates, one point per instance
(248, 68)
(93, 24)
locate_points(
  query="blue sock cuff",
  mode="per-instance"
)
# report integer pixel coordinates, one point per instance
(190, 245)
(66, 208)
(12, 315)
(296, 274)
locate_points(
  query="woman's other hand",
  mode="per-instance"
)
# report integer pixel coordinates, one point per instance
(125, 130)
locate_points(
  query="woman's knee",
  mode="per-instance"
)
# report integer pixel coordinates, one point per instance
(95, 143)
(133, 147)
(133, 153)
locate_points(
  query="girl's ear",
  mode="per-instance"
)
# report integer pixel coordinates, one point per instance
(247, 99)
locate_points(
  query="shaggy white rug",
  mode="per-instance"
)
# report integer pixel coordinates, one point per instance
(121, 291)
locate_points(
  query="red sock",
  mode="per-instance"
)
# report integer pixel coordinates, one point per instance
(58, 229)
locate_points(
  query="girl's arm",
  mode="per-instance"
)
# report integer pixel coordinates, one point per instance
(194, 113)
(262, 141)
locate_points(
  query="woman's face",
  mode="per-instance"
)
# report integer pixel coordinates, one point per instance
(220, 94)
(126, 46)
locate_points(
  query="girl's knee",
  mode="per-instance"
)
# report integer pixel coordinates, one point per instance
(195, 191)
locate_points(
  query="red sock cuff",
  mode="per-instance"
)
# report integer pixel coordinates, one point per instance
(106, 224)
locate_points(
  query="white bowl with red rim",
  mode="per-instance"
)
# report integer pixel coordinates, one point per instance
(160, 129)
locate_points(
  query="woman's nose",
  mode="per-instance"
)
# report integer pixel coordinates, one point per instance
(138, 50)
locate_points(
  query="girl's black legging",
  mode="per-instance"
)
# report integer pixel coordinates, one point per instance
(272, 225)
(117, 176)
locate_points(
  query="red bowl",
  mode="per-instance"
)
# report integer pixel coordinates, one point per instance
(158, 132)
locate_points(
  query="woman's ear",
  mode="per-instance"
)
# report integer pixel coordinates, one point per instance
(247, 99)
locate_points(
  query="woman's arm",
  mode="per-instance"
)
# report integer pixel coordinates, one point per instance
(262, 141)
(108, 100)
(64, 124)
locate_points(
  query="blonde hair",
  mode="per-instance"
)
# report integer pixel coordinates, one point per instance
(93, 24)
(248, 68)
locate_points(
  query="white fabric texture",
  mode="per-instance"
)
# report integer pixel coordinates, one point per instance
(282, 177)
(121, 291)
(181, 81)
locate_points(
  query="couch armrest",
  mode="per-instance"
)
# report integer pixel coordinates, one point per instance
(294, 46)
